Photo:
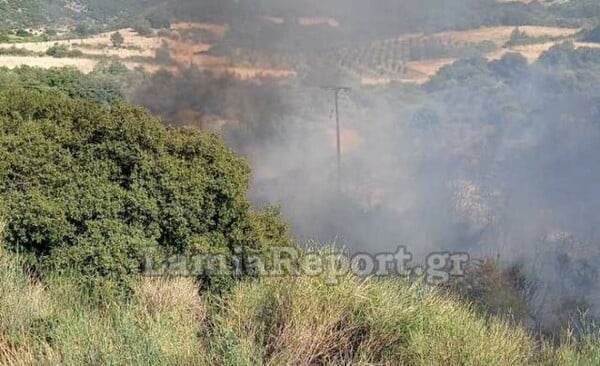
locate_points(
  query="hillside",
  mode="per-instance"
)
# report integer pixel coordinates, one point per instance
(24, 13)
(302, 321)
(231, 38)
(285, 182)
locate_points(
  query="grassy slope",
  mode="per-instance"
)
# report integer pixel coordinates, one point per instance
(300, 321)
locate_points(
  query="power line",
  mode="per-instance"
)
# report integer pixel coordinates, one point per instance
(336, 93)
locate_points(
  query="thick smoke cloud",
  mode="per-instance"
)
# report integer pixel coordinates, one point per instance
(501, 167)
(497, 159)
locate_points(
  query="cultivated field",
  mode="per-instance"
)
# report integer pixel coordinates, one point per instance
(139, 51)
(407, 58)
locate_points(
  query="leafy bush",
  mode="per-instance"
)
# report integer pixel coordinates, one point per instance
(143, 27)
(592, 35)
(94, 189)
(117, 39)
(14, 51)
(62, 50)
(102, 85)
(22, 33)
(159, 20)
(163, 55)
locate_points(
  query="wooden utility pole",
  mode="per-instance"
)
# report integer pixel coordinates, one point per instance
(336, 93)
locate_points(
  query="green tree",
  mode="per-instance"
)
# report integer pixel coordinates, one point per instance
(22, 33)
(81, 30)
(97, 189)
(163, 54)
(159, 20)
(117, 39)
(143, 27)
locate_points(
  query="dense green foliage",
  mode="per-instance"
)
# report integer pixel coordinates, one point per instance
(60, 51)
(592, 35)
(22, 12)
(103, 85)
(95, 188)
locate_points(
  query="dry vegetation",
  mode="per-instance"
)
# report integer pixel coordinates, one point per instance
(187, 46)
(500, 35)
(139, 51)
(299, 321)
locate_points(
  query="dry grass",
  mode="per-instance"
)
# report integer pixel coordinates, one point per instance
(424, 70)
(501, 34)
(219, 30)
(183, 53)
(533, 52)
(292, 321)
(57, 324)
(85, 65)
(180, 295)
(306, 322)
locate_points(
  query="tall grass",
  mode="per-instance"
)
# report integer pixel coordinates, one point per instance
(306, 322)
(59, 324)
(296, 321)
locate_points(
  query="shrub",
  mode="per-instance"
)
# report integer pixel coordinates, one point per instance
(22, 33)
(143, 27)
(94, 189)
(15, 51)
(82, 30)
(62, 51)
(163, 55)
(159, 20)
(592, 35)
(117, 39)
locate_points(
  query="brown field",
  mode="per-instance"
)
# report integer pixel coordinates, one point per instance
(98, 42)
(500, 35)
(85, 65)
(533, 52)
(183, 53)
(219, 30)
(428, 68)
(187, 53)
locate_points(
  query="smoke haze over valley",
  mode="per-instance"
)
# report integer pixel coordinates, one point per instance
(471, 126)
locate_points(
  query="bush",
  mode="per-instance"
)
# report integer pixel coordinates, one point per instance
(159, 20)
(62, 51)
(95, 189)
(117, 39)
(163, 55)
(143, 27)
(15, 51)
(22, 33)
(592, 35)
(82, 30)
